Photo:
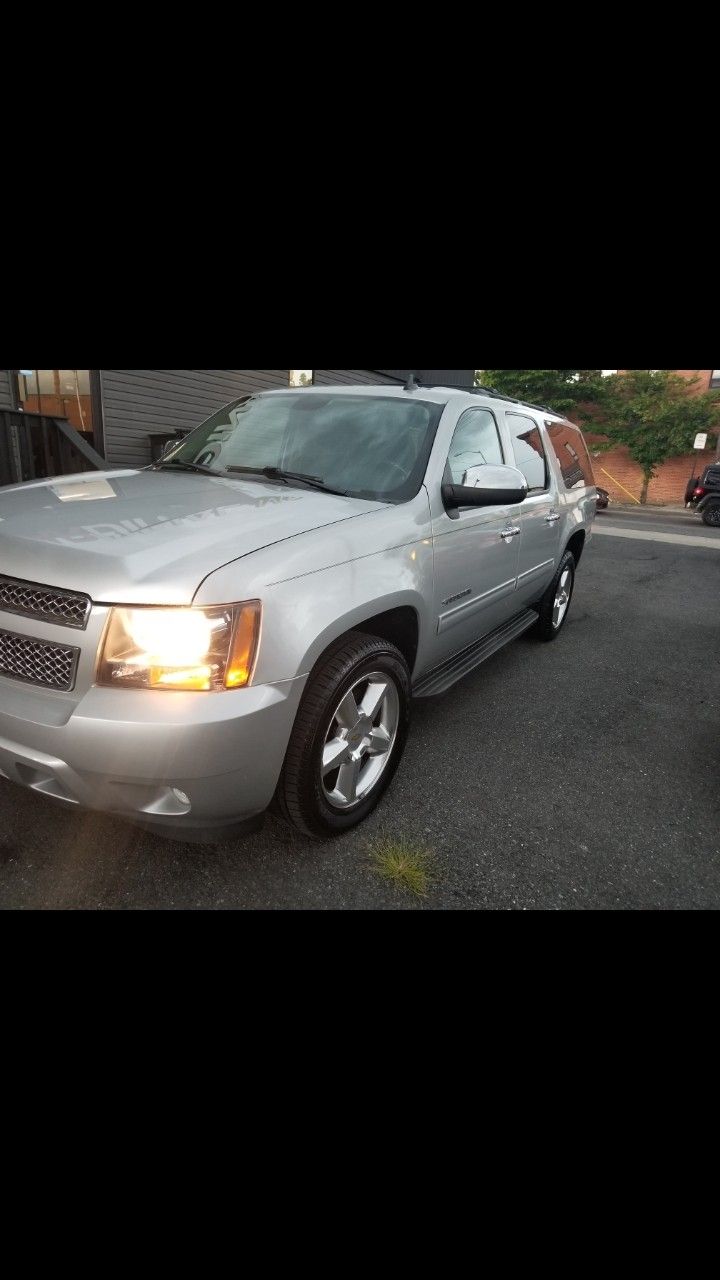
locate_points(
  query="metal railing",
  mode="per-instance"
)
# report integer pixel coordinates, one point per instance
(34, 446)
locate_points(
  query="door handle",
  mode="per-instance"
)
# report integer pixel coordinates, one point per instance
(507, 534)
(553, 517)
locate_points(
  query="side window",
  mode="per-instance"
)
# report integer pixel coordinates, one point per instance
(528, 449)
(476, 443)
(571, 452)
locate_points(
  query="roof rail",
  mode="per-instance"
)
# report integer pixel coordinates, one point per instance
(544, 408)
(459, 386)
(414, 384)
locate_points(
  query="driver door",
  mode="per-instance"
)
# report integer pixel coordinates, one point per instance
(476, 549)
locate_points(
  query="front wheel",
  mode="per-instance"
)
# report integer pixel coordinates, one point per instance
(555, 604)
(348, 738)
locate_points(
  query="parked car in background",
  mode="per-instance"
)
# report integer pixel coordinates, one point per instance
(704, 496)
(603, 499)
(248, 620)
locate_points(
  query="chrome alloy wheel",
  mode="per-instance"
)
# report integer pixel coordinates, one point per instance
(562, 599)
(360, 740)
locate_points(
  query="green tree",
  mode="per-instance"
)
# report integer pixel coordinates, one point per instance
(650, 412)
(560, 389)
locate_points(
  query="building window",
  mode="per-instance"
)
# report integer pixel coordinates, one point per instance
(58, 393)
(715, 379)
(301, 377)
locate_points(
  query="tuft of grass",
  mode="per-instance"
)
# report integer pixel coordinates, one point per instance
(405, 865)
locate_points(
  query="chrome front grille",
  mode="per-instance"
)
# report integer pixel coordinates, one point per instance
(37, 661)
(64, 608)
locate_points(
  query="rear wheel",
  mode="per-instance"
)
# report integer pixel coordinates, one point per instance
(711, 515)
(555, 604)
(348, 738)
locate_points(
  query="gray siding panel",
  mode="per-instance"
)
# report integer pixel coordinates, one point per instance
(137, 402)
(442, 377)
(349, 377)
(6, 400)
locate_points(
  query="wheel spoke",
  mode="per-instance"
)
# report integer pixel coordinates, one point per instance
(335, 753)
(374, 695)
(562, 599)
(347, 782)
(361, 741)
(379, 741)
(347, 714)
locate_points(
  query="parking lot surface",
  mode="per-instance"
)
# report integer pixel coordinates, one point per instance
(582, 774)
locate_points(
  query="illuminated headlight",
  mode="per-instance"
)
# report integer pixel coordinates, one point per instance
(208, 649)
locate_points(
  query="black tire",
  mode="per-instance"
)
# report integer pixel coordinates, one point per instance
(300, 797)
(711, 515)
(545, 628)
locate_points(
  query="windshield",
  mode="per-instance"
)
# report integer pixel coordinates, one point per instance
(366, 446)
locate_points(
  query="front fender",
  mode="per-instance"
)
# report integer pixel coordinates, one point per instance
(301, 618)
(319, 585)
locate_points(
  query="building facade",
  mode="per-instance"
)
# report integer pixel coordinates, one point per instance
(118, 411)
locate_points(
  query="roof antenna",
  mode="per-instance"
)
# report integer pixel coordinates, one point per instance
(412, 383)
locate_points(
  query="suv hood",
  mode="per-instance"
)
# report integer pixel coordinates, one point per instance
(151, 537)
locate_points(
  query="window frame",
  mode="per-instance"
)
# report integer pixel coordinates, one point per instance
(510, 413)
(476, 408)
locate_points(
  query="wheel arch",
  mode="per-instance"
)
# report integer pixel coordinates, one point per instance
(576, 544)
(399, 625)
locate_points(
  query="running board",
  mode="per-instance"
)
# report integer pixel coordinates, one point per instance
(445, 676)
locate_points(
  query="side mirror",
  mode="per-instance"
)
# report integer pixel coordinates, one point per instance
(486, 487)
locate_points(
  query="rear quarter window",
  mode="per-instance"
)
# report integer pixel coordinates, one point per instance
(572, 455)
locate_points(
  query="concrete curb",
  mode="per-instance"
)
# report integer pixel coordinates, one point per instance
(649, 508)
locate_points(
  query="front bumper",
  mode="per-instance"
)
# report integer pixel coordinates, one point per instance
(180, 762)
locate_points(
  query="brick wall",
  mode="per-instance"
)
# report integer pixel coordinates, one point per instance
(668, 487)
(704, 377)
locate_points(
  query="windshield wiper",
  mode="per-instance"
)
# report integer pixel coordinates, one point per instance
(179, 465)
(278, 473)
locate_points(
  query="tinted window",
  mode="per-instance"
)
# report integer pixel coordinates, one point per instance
(571, 452)
(528, 448)
(368, 446)
(476, 443)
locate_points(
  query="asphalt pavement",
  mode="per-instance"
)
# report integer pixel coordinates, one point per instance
(582, 774)
(658, 520)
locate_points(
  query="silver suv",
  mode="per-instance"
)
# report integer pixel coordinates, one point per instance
(247, 622)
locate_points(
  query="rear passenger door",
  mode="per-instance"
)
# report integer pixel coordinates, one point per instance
(540, 512)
